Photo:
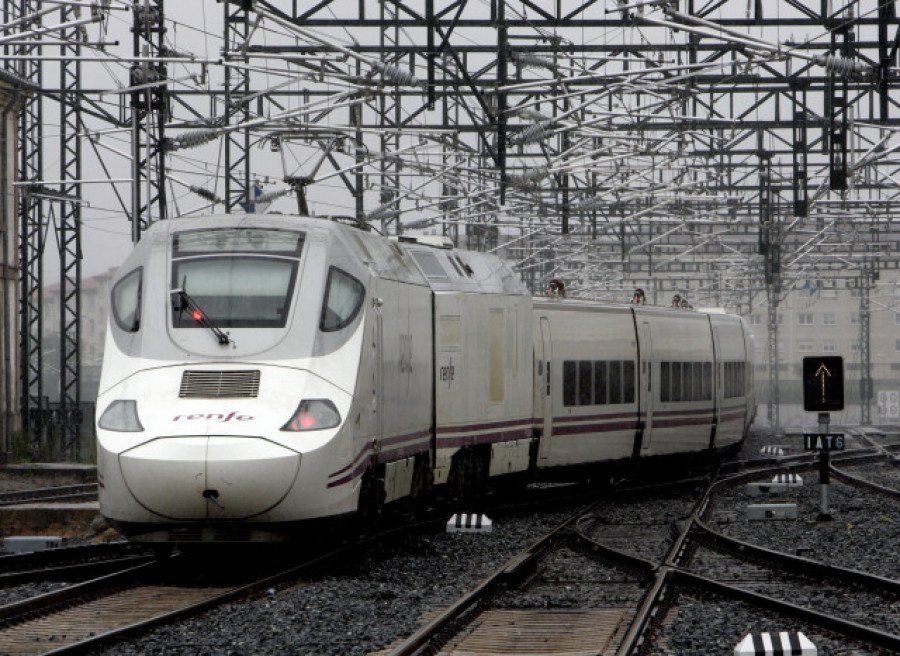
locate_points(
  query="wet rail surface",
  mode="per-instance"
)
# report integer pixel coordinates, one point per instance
(59, 494)
(625, 576)
(592, 588)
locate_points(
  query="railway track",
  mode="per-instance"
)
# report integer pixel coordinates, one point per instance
(574, 590)
(836, 607)
(64, 565)
(146, 592)
(60, 494)
(650, 570)
(89, 615)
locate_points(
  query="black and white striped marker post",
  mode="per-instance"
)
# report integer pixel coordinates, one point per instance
(784, 643)
(469, 523)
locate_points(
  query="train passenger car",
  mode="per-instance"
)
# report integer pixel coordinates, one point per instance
(482, 353)
(616, 384)
(243, 385)
(265, 372)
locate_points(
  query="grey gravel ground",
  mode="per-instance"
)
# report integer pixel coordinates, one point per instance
(863, 534)
(367, 605)
(360, 609)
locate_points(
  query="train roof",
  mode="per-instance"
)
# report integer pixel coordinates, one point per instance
(423, 261)
(450, 270)
(587, 305)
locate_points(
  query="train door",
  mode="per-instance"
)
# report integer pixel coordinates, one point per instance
(717, 389)
(645, 383)
(546, 398)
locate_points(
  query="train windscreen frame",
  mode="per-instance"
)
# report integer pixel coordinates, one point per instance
(238, 277)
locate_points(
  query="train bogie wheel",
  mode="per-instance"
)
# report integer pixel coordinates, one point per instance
(422, 484)
(371, 500)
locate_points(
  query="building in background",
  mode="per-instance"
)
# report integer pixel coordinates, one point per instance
(822, 317)
(13, 94)
(94, 315)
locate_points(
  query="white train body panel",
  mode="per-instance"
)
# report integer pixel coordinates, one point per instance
(587, 430)
(234, 444)
(263, 371)
(735, 406)
(620, 382)
(483, 366)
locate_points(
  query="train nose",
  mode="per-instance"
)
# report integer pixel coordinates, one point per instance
(196, 478)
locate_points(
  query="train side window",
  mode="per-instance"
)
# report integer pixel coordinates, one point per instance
(465, 267)
(695, 381)
(570, 383)
(615, 381)
(676, 382)
(455, 266)
(628, 382)
(600, 382)
(665, 381)
(706, 382)
(735, 373)
(585, 382)
(344, 296)
(126, 301)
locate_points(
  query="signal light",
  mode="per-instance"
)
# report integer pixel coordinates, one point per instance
(303, 421)
(198, 316)
(314, 414)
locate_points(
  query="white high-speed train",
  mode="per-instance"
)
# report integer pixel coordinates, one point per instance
(263, 371)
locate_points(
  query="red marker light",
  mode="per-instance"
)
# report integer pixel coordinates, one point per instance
(313, 415)
(307, 420)
(197, 315)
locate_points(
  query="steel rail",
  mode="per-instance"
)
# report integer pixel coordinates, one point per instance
(748, 551)
(655, 595)
(672, 573)
(846, 477)
(51, 601)
(14, 563)
(440, 629)
(74, 571)
(49, 494)
(828, 622)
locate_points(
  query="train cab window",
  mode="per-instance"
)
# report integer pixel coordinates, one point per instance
(237, 277)
(344, 296)
(126, 301)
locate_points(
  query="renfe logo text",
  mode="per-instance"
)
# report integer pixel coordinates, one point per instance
(214, 416)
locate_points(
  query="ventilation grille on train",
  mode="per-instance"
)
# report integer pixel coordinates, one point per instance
(219, 384)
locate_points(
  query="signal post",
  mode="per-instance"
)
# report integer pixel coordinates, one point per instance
(823, 392)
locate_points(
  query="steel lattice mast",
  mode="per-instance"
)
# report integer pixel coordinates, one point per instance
(31, 239)
(613, 146)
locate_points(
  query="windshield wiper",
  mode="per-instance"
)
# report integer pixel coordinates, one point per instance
(181, 301)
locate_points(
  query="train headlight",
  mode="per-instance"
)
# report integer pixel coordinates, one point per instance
(314, 414)
(122, 416)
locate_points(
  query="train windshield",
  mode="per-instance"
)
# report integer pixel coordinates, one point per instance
(238, 278)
